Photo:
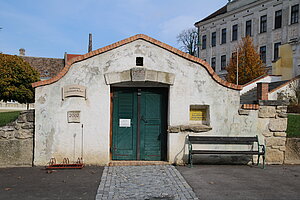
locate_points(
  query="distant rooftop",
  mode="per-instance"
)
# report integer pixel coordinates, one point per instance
(221, 11)
(231, 5)
(47, 67)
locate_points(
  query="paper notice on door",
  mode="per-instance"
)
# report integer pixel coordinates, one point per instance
(124, 122)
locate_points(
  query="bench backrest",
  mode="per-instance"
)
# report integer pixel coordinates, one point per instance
(222, 140)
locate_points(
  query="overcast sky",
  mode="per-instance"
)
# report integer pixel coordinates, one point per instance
(48, 28)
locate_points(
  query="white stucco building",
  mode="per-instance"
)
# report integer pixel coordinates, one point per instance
(136, 99)
(271, 23)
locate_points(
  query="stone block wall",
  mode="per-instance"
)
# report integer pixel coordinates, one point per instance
(16, 141)
(275, 132)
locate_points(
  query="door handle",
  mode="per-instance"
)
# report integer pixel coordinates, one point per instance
(142, 118)
(159, 136)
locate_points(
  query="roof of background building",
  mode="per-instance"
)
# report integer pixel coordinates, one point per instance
(221, 11)
(47, 67)
(71, 56)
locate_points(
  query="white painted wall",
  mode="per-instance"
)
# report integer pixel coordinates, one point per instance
(265, 79)
(289, 90)
(55, 137)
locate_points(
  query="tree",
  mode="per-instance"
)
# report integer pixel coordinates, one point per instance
(189, 40)
(250, 66)
(16, 77)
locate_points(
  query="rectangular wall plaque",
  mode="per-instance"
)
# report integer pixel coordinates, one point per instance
(74, 91)
(198, 115)
(73, 116)
(124, 122)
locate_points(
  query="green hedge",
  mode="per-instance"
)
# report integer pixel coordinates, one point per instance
(293, 129)
(7, 117)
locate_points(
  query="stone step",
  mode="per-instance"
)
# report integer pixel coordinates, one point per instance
(136, 163)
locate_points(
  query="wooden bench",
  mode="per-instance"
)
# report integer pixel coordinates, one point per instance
(260, 150)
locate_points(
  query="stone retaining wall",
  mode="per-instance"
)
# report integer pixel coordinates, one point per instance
(275, 136)
(16, 141)
(269, 122)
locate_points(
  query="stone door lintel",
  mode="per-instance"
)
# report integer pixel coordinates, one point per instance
(139, 75)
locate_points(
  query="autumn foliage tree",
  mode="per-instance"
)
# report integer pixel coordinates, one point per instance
(250, 66)
(16, 77)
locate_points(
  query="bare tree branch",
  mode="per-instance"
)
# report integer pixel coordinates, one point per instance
(188, 38)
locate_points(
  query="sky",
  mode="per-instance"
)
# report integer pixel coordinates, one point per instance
(49, 28)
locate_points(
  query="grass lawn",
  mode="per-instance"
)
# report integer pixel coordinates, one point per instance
(6, 117)
(293, 129)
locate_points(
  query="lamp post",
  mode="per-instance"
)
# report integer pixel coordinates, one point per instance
(237, 66)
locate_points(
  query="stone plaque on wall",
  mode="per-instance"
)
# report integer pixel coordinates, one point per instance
(74, 91)
(73, 116)
(138, 74)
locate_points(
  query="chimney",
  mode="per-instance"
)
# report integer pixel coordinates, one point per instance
(262, 91)
(22, 52)
(90, 43)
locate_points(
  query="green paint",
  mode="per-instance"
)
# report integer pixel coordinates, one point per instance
(124, 138)
(152, 121)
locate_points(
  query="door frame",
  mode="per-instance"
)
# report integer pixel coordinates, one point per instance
(164, 150)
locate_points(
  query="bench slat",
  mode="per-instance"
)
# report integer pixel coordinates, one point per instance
(221, 140)
(225, 152)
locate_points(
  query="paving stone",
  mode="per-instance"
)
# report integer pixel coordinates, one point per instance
(143, 182)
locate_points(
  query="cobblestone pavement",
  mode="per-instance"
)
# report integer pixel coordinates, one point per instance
(143, 182)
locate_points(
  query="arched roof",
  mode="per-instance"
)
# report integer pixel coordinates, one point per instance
(169, 48)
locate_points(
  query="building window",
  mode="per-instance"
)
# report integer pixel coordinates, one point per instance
(295, 14)
(263, 24)
(276, 50)
(139, 61)
(278, 19)
(223, 38)
(204, 42)
(213, 39)
(223, 62)
(248, 27)
(234, 32)
(263, 51)
(213, 63)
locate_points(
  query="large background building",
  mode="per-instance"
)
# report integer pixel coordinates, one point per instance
(273, 24)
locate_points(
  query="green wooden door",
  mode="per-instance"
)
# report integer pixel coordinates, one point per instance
(124, 135)
(145, 139)
(152, 125)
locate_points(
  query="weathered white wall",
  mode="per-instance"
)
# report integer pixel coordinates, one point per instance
(55, 137)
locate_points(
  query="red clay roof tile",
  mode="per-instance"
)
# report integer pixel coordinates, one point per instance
(78, 58)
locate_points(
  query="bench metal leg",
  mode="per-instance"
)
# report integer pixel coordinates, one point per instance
(190, 160)
(263, 161)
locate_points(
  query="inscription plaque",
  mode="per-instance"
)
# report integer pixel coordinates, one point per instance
(73, 116)
(74, 91)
